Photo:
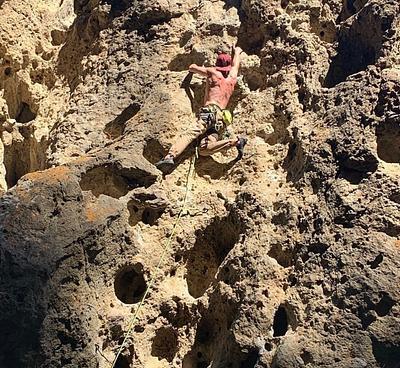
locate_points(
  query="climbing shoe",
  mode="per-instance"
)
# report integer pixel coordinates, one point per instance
(240, 147)
(392, 117)
(165, 164)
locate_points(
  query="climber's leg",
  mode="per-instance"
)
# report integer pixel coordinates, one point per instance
(188, 136)
(181, 143)
(210, 144)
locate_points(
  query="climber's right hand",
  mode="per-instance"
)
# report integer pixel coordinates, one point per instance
(238, 50)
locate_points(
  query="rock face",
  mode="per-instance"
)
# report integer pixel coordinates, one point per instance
(286, 259)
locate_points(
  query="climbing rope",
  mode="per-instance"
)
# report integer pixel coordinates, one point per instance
(182, 210)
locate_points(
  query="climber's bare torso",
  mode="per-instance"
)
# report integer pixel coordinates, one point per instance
(218, 88)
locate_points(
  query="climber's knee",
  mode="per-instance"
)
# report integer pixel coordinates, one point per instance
(204, 149)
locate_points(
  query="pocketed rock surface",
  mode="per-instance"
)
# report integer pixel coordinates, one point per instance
(288, 258)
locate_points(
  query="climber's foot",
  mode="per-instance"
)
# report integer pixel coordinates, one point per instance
(240, 147)
(166, 164)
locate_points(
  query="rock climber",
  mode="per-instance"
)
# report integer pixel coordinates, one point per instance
(213, 117)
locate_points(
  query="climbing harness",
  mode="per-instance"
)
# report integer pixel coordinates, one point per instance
(216, 118)
(190, 175)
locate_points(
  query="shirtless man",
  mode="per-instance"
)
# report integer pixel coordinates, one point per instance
(213, 120)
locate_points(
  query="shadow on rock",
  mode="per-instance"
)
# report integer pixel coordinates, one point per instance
(215, 170)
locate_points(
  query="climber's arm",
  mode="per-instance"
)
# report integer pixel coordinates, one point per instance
(201, 70)
(235, 63)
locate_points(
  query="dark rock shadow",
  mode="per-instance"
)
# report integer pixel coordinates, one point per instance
(195, 93)
(350, 7)
(116, 127)
(359, 45)
(354, 177)
(252, 33)
(117, 6)
(294, 163)
(254, 29)
(181, 62)
(113, 181)
(80, 41)
(388, 141)
(214, 343)
(23, 157)
(386, 354)
(153, 150)
(165, 344)
(212, 246)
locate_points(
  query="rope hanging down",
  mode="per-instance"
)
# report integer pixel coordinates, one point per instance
(161, 260)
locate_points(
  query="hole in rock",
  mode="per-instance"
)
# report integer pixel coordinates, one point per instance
(7, 71)
(384, 306)
(139, 329)
(165, 344)
(134, 213)
(254, 77)
(283, 256)
(284, 3)
(205, 334)
(178, 258)
(377, 261)
(58, 37)
(268, 346)
(122, 362)
(129, 284)
(146, 215)
(388, 142)
(115, 128)
(281, 323)
(151, 215)
(307, 357)
(352, 176)
(210, 249)
(66, 337)
(110, 181)
(294, 163)
(25, 114)
(23, 157)
(153, 151)
(395, 197)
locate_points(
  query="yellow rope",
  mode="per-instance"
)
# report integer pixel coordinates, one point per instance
(160, 262)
